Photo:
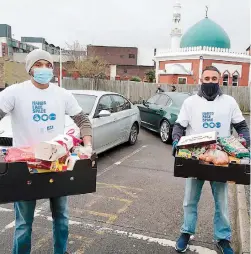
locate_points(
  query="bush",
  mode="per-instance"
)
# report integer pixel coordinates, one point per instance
(136, 79)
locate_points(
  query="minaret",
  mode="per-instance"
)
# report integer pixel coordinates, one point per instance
(176, 27)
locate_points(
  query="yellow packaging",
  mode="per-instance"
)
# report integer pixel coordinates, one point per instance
(234, 159)
(184, 153)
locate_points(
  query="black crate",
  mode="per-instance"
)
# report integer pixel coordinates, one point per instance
(17, 183)
(238, 173)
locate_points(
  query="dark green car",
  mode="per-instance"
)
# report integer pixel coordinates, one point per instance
(160, 112)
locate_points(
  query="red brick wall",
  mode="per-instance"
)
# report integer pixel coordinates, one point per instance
(173, 79)
(124, 71)
(243, 81)
(114, 55)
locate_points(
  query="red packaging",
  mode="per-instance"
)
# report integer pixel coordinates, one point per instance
(20, 154)
(39, 164)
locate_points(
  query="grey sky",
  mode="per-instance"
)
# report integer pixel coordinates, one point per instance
(145, 23)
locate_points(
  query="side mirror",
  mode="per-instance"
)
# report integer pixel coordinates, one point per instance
(145, 103)
(104, 113)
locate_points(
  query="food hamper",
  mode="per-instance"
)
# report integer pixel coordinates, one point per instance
(208, 157)
(56, 168)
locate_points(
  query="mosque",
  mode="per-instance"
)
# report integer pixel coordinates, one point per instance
(205, 43)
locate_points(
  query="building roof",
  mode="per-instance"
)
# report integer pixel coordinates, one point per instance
(205, 33)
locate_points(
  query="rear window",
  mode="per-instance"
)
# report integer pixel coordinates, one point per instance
(86, 102)
(179, 99)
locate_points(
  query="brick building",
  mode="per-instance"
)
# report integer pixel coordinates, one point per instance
(114, 55)
(123, 61)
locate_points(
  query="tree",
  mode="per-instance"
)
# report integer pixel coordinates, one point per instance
(92, 66)
(150, 75)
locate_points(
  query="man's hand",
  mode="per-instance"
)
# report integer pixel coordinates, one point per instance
(88, 150)
(174, 149)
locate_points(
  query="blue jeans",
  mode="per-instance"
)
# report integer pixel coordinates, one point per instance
(193, 189)
(24, 213)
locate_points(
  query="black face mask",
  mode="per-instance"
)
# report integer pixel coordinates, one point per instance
(210, 89)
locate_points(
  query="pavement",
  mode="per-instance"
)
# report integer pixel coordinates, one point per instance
(137, 207)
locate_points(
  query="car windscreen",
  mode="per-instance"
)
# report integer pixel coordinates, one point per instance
(86, 102)
(179, 99)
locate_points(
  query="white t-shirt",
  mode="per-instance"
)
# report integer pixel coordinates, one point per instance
(199, 115)
(37, 114)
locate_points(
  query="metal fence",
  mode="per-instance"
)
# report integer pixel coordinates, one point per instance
(138, 91)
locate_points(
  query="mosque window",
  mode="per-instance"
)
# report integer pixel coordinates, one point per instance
(182, 80)
(225, 78)
(235, 79)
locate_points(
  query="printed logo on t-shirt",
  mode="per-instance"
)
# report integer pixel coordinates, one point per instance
(52, 116)
(50, 128)
(208, 120)
(36, 117)
(40, 112)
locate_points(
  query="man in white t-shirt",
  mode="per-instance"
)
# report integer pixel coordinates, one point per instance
(38, 110)
(208, 110)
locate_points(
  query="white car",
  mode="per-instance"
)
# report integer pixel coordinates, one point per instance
(115, 120)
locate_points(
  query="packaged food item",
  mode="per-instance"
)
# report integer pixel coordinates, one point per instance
(242, 140)
(54, 149)
(198, 139)
(40, 164)
(20, 154)
(184, 153)
(245, 161)
(50, 166)
(215, 156)
(233, 147)
(82, 152)
(70, 162)
(196, 152)
(76, 141)
(38, 171)
(234, 160)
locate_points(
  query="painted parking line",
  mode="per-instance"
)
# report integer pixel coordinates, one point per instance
(12, 224)
(133, 235)
(120, 161)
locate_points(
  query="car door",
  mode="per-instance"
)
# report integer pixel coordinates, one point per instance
(146, 111)
(122, 115)
(157, 111)
(104, 133)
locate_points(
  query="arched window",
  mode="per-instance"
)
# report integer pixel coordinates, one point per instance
(235, 79)
(225, 78)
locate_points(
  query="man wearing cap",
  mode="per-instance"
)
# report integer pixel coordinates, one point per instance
(37, 110)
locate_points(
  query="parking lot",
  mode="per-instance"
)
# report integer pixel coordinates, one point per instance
(137, 207)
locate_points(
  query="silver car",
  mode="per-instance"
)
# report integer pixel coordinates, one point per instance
(115, 120)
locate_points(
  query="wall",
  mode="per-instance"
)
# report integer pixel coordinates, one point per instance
(11, 72)
(244, 80)
(131, 71)
(114, 55)
(194, 79)
(173, 79)
(138, 91)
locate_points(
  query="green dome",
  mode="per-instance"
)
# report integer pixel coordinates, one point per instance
(205, 33)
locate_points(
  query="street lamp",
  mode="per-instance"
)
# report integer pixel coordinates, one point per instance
(60, 67)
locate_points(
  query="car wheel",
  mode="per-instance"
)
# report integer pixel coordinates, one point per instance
(133, 134)
(165, 131)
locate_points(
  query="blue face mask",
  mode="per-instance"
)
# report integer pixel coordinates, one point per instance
(43, 75)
